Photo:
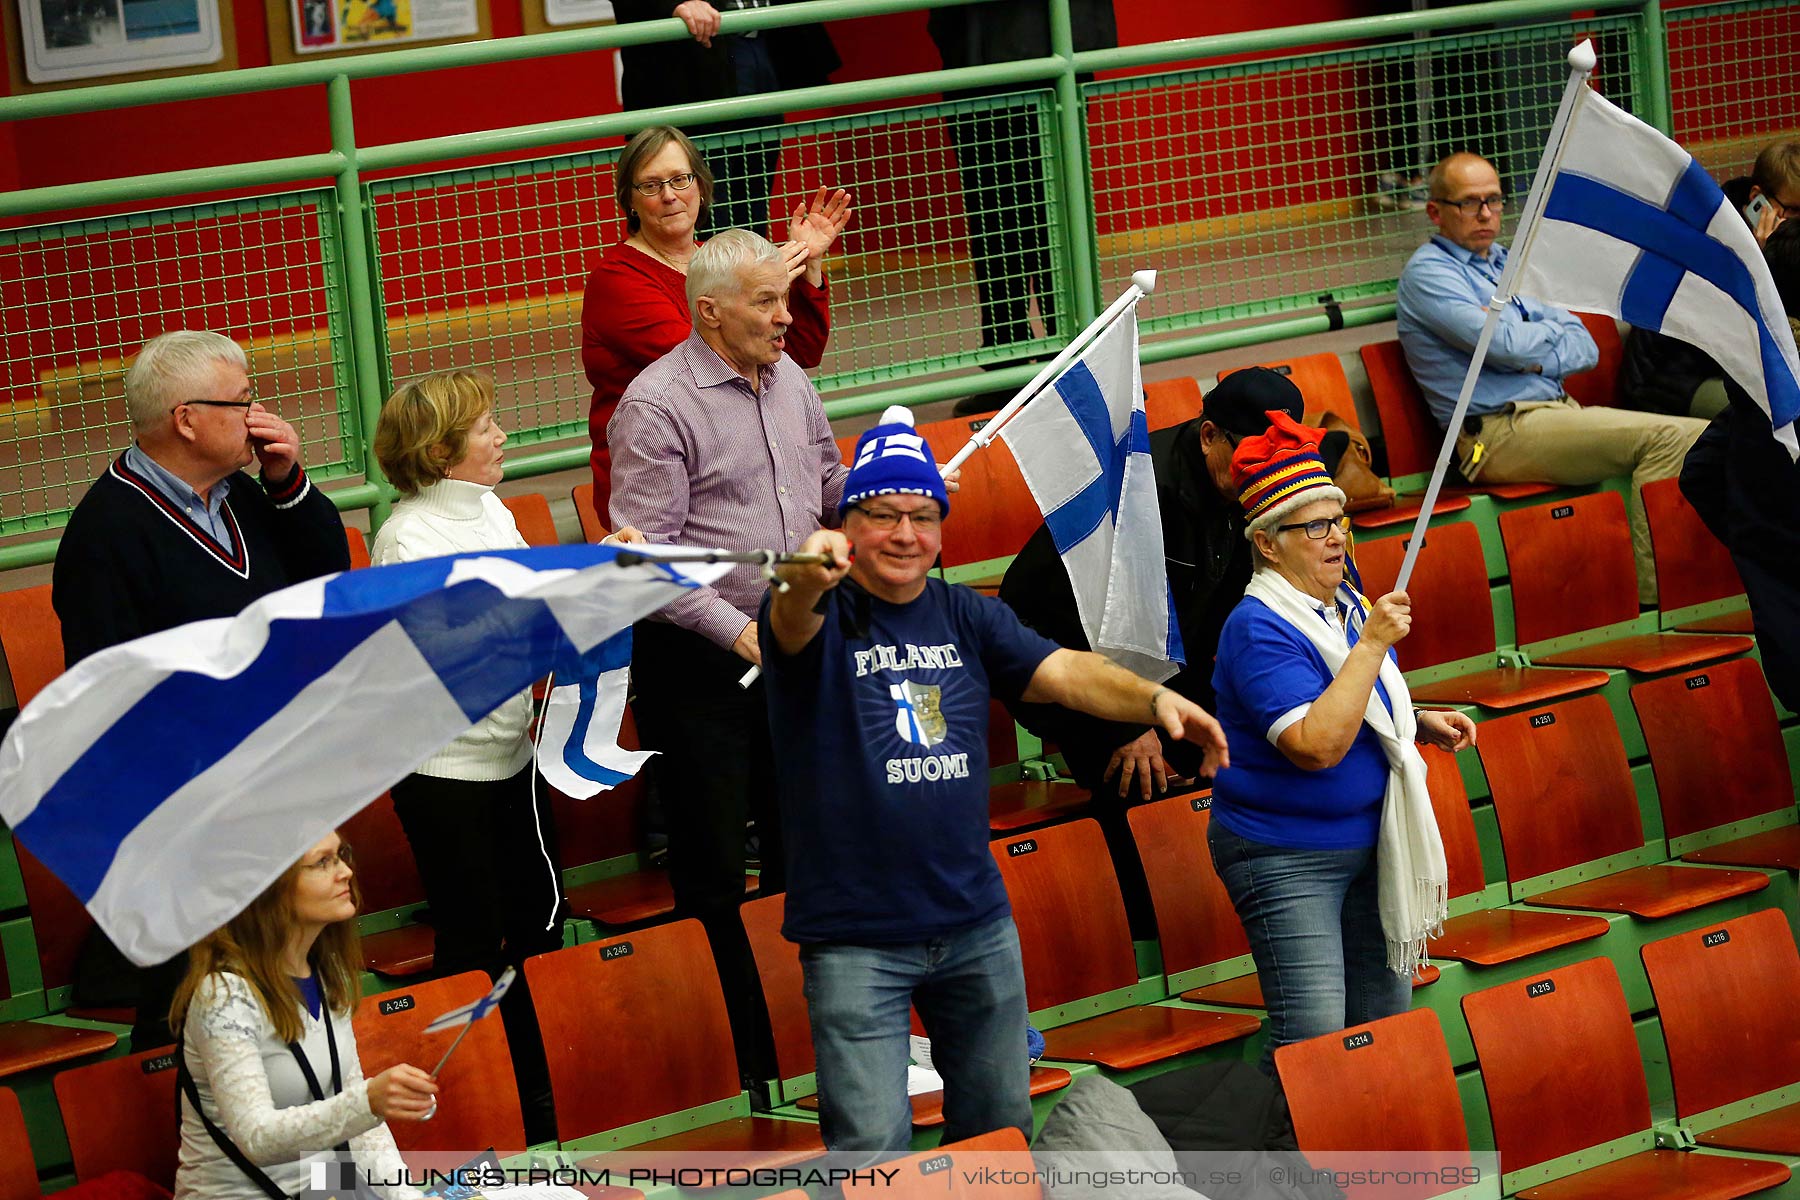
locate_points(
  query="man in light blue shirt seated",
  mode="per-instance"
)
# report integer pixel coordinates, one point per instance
(1521, 426)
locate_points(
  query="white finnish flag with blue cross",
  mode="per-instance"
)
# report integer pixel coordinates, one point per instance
(1635, 228)
(474, 1010)
(1083, 445)
(169, 780)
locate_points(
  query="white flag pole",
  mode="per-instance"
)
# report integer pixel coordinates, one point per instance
(1581, 65)
(1142, 284)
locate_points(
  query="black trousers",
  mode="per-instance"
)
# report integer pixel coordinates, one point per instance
(715, 772)
(492, 872)
(1000, 161)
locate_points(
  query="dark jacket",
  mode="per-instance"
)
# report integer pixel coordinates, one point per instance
(685, 72)
(1008, 30)
(1660, 374)
(1209, 563)
(1742, 483)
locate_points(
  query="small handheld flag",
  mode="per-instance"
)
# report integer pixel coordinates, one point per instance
(466, 1015)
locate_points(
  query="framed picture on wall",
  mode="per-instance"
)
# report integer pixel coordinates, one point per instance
(64, 40)
(303, 28)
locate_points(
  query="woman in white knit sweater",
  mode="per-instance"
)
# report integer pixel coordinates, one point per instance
(486, 850)
(269, 1075)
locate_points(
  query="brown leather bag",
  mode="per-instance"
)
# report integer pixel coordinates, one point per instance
(1363, 489)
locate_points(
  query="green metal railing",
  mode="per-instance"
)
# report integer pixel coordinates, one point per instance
(1272, 177)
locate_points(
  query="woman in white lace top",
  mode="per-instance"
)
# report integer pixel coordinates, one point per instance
(272, 1081)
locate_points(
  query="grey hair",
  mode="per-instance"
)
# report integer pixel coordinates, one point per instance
(717, 267)
(169, 368)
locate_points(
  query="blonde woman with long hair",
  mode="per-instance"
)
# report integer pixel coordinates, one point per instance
(269, 1074)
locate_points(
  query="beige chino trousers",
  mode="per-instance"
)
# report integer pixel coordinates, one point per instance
(1559, 441)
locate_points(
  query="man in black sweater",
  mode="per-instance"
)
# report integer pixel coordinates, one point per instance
(174, 531)
(1209, 564)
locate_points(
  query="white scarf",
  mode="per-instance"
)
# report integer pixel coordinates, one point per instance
(1413, 881)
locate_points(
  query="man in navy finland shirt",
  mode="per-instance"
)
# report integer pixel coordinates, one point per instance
(878, 683)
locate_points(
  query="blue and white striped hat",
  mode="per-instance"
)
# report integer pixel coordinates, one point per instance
(892, 459)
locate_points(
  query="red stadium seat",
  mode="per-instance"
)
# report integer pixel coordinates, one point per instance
(1455, 622)
(92, 1099)
(480, 1106)
(648, 1005)
(1569, 760)
(359, 547)
(1692, 566)
(389, 878)
(1572, 571)
(18, 1171)
(993, 515)
(593, 525)
(1693, 722)
(1077, 945)
(1383, 1087)
(778, 969)
(531, 513)
(31, 639)
(993, 1166)
(1411, 436)
(1170, 402)
(1725, 997)
(1599, 387)
(1559, 1062)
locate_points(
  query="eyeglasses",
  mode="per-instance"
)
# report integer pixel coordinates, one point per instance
(1318, 529)
(243, 404)
(1474, 204)
(653, 187)
(886, 518)
(327, 864)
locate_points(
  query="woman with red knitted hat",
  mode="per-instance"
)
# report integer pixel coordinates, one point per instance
(1322, 829)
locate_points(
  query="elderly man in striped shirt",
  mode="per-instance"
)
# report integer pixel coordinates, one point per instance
(722, 442)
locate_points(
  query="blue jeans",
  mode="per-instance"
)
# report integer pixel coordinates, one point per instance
(969, 988)
(1315, 932)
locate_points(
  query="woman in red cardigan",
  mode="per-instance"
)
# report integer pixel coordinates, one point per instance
(635, 308)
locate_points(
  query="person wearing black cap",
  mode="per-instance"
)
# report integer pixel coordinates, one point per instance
(1209, 564)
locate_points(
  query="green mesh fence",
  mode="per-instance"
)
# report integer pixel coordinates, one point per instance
(77, 300)
(1257, 189)
(1734, 81)
(488, 267)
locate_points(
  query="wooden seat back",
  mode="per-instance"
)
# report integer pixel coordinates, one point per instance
(1715, 745)
(1411, 436)
(648, 1006)
(1725, 994)
(1066, 903)
(359, 547)
(1559, 1061)
(1320, 377)
(382, 858)
(480, 1099)
(1456, 823)
(31, 639)
(1692, 566)
(778, 970)
(1195, 921)
(1568, 761)
(1170, 402)
(993, 514)
(1599, 386)
(1453, 609)
(593, 523)
(990, 1165)
(59, 922)
(1571, 566)
(531, 513)
(18, 1170)
(1385, 1086)
(120, 1116)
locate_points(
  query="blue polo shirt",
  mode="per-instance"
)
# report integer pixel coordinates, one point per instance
(879, 727)
(1265, 670)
